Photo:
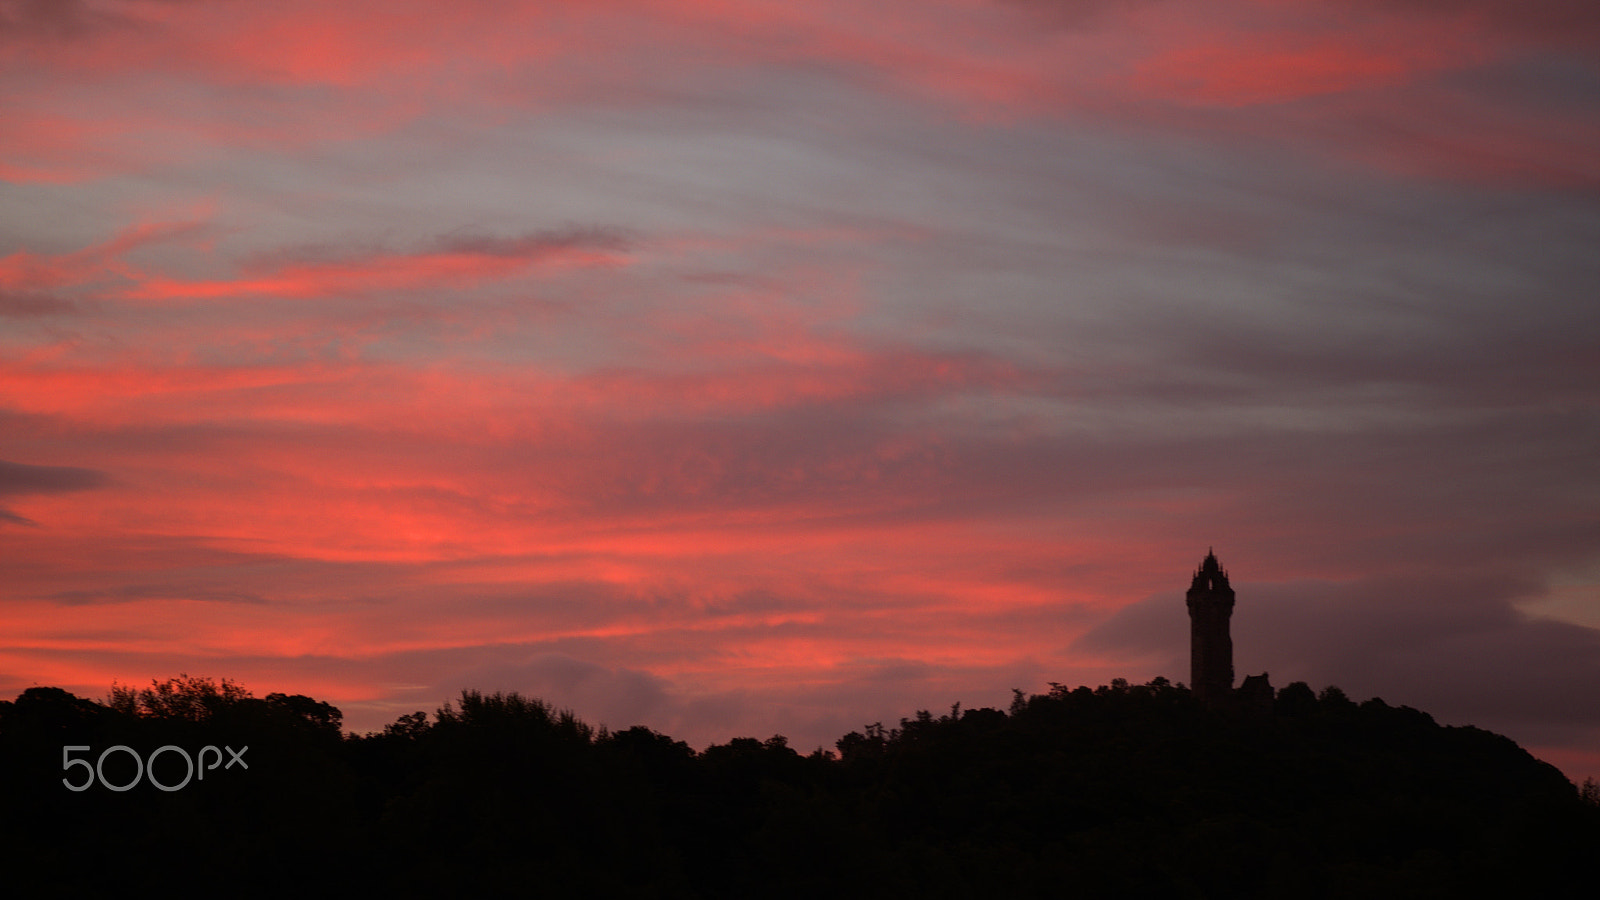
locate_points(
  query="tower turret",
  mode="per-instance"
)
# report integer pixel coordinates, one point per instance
(1210, 646)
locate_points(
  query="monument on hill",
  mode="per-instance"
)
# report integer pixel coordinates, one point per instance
(1210, 646)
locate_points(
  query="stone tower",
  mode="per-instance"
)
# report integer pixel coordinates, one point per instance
(1210, 647)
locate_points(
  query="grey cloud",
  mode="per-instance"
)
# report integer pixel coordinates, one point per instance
(1555, 83)
(1560, 20)
(539, 243)
(132, 593)
(617, 697)
(30, 305)
(1156, 628)
(530, 245)
(60, 19)
(1072, 13)
(25, 478)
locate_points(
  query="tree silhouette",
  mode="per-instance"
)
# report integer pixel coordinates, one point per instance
(1121, 790)
(184, 698)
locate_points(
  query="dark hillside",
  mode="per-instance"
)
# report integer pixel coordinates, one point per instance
(1117, 791)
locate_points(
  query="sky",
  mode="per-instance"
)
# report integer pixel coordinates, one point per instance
(751, 368)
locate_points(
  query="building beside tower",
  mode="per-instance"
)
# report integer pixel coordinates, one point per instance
(1210, 645)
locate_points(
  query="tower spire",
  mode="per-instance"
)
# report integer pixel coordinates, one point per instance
(1210, 601)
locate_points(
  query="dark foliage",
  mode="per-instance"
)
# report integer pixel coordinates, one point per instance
(1119, 791)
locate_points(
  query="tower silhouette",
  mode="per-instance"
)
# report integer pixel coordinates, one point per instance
(1210, 647)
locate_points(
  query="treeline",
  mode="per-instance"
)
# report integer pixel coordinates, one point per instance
(1119, 791)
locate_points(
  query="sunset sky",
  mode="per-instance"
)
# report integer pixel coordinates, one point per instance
(742, 367)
